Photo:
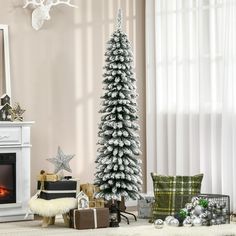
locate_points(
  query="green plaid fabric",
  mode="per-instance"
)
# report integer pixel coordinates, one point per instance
(173, 192)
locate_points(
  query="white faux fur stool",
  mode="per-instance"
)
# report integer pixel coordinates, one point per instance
(50, 208)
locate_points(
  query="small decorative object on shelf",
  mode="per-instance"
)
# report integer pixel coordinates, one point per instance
(158, 224)
(16, 113)
(5, 108)
(61, 161)
(114, 215)
(5, 99)
(83, 200)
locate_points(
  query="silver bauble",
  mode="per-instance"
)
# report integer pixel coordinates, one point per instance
(214, 216)
(194, 199)
(203, 215)
(222, 205)
(158, 224)
(224, 211)
(218, 221)
(187, 222)
(196, 203)
(189, 206)
(197, 221)
(211, 204)
(198, 210)
(212, 222)
(168, 219)
(218, 211)
(205, 222)
(174, 222)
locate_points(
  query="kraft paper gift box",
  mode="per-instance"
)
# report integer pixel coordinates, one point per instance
(89, 218)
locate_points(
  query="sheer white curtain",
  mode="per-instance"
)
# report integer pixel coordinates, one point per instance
(191, 91)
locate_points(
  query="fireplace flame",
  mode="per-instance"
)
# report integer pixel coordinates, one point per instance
(4, 191)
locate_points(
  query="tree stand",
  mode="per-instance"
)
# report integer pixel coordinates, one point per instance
(122, 211)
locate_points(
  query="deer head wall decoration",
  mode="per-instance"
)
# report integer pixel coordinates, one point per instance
(42, 9)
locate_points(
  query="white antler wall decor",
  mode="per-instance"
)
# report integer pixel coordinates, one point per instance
(42, 9)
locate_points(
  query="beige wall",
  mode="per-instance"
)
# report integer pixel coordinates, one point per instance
(57, 73)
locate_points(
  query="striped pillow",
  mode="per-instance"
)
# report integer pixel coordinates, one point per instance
(173, 192)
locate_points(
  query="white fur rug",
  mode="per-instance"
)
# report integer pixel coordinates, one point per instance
(52, 207)
(139, 228)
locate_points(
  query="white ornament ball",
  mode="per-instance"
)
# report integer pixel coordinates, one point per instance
(174, 222)
(189, 206)
(158, 224)
(198, 210)
(197, 221)
(212, 222)
(187, 222)
(168, 219)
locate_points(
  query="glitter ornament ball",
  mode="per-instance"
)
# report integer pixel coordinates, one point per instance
(174, 222)
(197, 222)
(158, 224)
(187, 222)
(168, 220)
(198, 210)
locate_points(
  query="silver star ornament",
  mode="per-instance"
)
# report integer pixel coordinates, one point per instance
(61, 161)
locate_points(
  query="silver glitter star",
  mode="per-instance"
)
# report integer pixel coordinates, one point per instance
(61, 161)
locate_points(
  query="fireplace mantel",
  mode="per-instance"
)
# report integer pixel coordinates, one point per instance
(15, 138)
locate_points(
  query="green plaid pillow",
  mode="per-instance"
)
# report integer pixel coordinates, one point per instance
(173, 192)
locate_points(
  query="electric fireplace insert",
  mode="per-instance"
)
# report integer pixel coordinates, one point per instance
(7, 178)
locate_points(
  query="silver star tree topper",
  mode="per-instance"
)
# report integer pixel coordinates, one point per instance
(61, 161)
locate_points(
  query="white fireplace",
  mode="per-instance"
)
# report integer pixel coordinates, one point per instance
(15, 148)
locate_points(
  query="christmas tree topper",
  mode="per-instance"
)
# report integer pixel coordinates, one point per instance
(119, 19)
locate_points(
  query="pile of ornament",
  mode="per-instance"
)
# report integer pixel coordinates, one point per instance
(200, 212)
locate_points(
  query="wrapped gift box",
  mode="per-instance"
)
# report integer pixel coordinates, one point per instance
(90, 190)
(58, 189)
(48, 177)
(89, 218)
(145, 206)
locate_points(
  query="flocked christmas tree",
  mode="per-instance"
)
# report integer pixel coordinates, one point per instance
(118, 165)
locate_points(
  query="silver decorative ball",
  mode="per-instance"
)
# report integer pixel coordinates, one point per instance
(168, 219)
(224, 212)
(218, 211)
(187, 222)
(158, 224)
(197, 221)
(218, 221)
(189, 206)
(203, 215)
(194, 199)
(174, 222)
(198, 210)
(208, 214)
(222, 205)
(214, 216)
(205, 222)
(212, 222)
(196, 203)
